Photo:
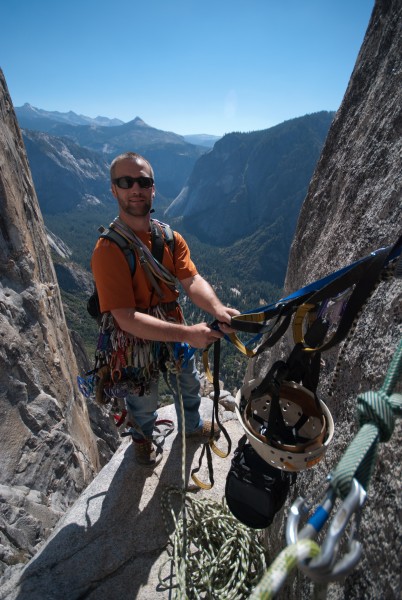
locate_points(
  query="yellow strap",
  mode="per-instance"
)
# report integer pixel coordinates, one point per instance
(217, 450)
(298, 320)
(201, 484)
(205, 362)
(240, 346)
(250, 317)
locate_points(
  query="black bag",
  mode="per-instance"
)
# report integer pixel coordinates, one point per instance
(254, 490)
(93, 307)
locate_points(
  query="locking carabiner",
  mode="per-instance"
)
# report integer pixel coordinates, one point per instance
(301, 508)
(325, 566)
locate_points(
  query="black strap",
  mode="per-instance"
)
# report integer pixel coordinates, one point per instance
(215, 416)
(123, 244)
(299, 367)
(328, 287)
(158, 242)
(359, 296)
(217, 391)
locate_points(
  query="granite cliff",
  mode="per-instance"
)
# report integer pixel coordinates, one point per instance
(354, 206)
(48, 451)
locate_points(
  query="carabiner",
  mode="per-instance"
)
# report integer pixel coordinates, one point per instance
(116, 375)
(300, 508)
(324, 567)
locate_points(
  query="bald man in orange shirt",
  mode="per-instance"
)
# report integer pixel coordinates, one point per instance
(144, 308)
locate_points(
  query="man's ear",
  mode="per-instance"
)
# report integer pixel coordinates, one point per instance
(112, 188)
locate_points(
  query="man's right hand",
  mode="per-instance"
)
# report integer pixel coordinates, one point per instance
(202, 335)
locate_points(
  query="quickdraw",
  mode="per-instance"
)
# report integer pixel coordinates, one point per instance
(326, 566)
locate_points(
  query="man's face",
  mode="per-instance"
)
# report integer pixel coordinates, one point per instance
(135, 201)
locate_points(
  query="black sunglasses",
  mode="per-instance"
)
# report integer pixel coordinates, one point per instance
(125, 183)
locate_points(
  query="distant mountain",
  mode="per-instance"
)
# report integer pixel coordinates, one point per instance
(112, 140)
(245, 194)
(241, 197)
(36, 118)
(171, 156)
(202, 139)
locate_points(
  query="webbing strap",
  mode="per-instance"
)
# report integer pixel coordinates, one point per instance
(210, 445)
(256, 321)
(158, 242)
(335, 283)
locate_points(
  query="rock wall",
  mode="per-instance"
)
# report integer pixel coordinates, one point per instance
(354, 206)
(48, 451)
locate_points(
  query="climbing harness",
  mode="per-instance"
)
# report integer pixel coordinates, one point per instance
(352, 284)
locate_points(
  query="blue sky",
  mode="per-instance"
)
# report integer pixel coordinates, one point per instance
(188, 66)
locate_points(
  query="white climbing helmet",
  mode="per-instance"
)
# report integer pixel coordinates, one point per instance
(295, 401)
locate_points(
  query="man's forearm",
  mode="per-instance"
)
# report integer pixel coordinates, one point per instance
(148, 327)
(202, 294)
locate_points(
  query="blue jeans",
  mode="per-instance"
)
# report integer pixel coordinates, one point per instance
(143, 408)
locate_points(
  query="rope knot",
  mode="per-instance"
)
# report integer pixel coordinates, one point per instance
(375, 407)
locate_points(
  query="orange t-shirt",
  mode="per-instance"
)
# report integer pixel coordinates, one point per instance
(118, 289)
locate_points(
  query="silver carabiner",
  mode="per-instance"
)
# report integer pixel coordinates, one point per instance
(300, 508)
(324, 567)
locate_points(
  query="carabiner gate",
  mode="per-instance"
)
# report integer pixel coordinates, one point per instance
(325, 566)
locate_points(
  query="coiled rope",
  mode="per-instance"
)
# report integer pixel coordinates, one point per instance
(225, 558)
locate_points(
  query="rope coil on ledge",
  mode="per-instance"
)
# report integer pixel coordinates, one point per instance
(224, 557)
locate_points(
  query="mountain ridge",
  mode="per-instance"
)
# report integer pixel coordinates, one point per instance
(32, 113)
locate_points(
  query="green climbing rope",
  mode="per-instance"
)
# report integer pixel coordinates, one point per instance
(224, 557)
(282, 566)
(377, 412)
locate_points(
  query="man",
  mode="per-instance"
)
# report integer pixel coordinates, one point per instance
(144, 305)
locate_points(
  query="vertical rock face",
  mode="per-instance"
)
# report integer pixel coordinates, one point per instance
(48, 452)
(354, 206)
